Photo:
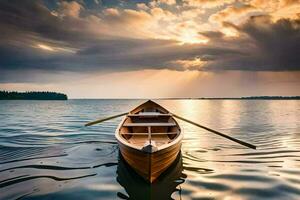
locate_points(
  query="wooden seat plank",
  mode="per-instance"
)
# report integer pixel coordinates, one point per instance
(151, 133)
(148, 124)
(149, 114)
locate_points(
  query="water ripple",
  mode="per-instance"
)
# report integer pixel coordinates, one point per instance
(51, 167)
(33, 158)
(9, 182)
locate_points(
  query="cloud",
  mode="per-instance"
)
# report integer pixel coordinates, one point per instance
(207, 3)
(142, 6)
(278, 8)
(168, 2)
(70, 9)
(70, 37)
(195, 63)
(273, 5)
(264, 46)
(278, 42)
(233, 14)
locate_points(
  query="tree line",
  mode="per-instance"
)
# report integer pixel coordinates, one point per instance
(6, 95)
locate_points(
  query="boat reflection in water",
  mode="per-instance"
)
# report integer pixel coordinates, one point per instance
(163, 187)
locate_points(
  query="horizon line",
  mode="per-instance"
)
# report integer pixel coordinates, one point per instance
(170, 98)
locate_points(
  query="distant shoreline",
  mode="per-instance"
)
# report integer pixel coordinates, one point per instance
(245, 98)
(5, 95)
(203, 98)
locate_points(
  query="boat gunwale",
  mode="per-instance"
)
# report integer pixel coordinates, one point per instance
(125, 142)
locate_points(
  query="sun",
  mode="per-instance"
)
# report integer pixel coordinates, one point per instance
(189, 37)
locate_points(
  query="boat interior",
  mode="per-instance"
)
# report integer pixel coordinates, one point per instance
(149, 125)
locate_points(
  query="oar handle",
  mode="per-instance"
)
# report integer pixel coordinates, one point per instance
(105, 119)
(217, 132)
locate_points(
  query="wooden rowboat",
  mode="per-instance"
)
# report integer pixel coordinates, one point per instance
(149, 139)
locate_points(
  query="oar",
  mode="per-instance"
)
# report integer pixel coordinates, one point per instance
(105, 119)
(217, 132)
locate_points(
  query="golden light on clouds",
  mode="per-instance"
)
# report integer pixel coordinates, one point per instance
(193, 64)
(45, 47)
(230, 32)
(184, 23)
(190, 37)
(55, 48)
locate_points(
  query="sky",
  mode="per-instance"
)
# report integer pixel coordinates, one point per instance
(151, 49)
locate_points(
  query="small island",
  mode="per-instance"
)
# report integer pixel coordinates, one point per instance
(6, 95)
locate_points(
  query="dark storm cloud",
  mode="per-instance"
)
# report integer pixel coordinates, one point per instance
(29, 20)
(266, 46)
(277, 42)
(262, 45)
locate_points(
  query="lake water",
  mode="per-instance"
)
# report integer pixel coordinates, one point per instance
(47, 153)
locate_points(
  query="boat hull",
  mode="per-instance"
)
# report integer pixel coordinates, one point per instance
(162, 188)
(149, 140)
(150, 165)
